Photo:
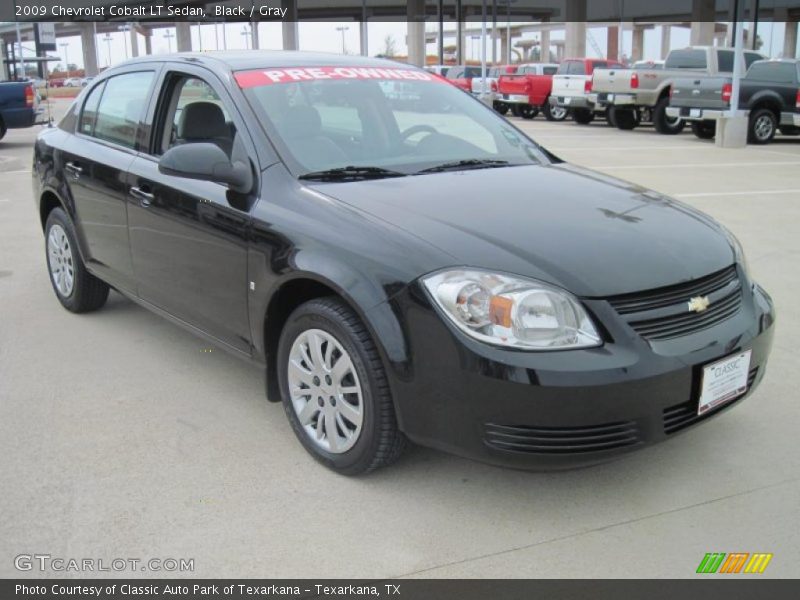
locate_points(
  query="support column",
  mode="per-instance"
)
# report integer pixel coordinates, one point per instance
(666, 40)
(89, 46)
(504, 46)
(415, 39)
(612, 43)
(291, 35)
(703, 15)
(363, 30)
(544, 45)
(183, 36)
(637, 48)
(575, 39)
(3, 56)
(148, 42)
(790, 40)
(134, 41)
(254, 35)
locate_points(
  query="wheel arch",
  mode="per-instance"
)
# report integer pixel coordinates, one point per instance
(48, 201)
(769, 102)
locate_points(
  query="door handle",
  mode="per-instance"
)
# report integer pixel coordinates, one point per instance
(74, 169)
(145, 198)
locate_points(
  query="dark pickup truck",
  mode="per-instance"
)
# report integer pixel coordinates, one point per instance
(770, 92)
(19, 105)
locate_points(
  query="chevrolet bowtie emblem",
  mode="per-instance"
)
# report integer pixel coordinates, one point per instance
(698, 304)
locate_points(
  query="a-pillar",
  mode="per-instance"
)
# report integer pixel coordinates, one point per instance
(291, 35)
(703, 21)
(666, 40)
(415, 13)
(89, 46)
(183, 35)
(637, 45)
(544, 45)
(790, 40)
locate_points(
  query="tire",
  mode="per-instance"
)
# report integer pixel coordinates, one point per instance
(515, 110)
(624, 118)
(554, 113)
(526, 111)
(762, 126)
(705, 130)
(376, 441)
(582, 116)
(501, 108)
(2, 129)
(78, 290)
(610, 120)
(663, 123)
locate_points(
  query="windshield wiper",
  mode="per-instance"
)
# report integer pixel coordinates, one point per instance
(351, 173)
(470, 163)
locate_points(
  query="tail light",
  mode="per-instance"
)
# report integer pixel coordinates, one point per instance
(587, 85)
(727, 92)
(634, 80)
(30, 95)
(797, 100)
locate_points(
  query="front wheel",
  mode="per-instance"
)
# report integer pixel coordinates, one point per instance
(705, 130)
(582, 116)
(762, 126)
(526, 111)
(334, 389)
(78, 290)
(663, 123)
(554, 112)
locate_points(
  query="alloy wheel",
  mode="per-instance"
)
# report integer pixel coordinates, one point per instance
(763, 127)
(59, 252)
(325, 391)
(558, 112)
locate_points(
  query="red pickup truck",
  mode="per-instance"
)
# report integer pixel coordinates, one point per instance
(528, 91)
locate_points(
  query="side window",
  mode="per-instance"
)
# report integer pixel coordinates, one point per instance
(773, 72)
(750, 58)
(725, 61)
(194, 112)
(121, 107)
(89, 113)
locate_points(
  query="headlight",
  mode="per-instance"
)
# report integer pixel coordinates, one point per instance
(510, 311)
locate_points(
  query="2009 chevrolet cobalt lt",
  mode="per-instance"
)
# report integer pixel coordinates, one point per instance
(403, 262)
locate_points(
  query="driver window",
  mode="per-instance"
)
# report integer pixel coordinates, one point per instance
(195, 113)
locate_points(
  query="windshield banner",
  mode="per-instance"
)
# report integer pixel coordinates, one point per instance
(247, 79)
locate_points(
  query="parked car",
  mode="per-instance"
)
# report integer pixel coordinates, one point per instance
(440, 70)
(770, 93)
(635, 95)
(437, 277)
(528, 91)
(461, 76)
(56, 82)
(86, 81)
(72, 82)
(19, 105)
(572, 87)
(488, 92)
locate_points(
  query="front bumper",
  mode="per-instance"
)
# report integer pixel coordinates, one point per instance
(562, 409)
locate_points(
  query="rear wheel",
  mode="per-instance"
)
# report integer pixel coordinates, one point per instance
(624, 118)
(554, 112)
(583, 116)
(78, 290)
(2, 129)
(762, 126)
(526, 111)
(610, 117)
(515, 110)
(501, 107)
(705, 130)
(334, 389)
(663, 123)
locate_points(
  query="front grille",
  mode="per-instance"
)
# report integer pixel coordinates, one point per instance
(683, 415)
(664, 313)
(561, 440)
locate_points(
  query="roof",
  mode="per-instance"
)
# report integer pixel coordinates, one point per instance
(239, 60)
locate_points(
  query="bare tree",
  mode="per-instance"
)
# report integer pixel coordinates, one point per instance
(389, 46)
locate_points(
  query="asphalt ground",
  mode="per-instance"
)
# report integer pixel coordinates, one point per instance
(122, 435)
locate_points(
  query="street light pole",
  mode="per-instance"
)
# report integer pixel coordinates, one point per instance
(246, 34)
(107, 39)
(65, 46)
(343, 29)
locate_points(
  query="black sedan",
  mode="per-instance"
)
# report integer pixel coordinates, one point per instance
(403, 262)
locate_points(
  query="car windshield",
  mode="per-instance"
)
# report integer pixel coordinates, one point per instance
(402, 121)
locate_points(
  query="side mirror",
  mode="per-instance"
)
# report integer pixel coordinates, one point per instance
(205, 161)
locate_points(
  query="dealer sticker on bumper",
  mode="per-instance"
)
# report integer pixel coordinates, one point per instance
(723, 381)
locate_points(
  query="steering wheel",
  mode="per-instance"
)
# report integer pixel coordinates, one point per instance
(417, 129)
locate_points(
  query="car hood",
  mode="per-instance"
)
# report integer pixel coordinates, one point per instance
(586, 232)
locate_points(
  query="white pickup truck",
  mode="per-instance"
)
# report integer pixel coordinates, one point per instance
(634, 95)
(572, 87)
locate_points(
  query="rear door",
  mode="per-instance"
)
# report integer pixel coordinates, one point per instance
(96, 160)
(189, 237)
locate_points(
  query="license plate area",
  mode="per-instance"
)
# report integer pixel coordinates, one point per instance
(694, 112)
(723, 381)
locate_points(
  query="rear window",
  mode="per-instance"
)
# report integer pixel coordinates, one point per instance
(473, 72)
(568, 67)
(549, 70)
(773, 72)
(687, 59)
(725, 61)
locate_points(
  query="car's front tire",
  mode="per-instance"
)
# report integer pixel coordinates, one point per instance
(526, 111)
(554, 113)
(664, 124)
(78, 290)
(334, 389)
(501, 108)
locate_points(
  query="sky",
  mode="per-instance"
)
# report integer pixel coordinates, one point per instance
(325, 36)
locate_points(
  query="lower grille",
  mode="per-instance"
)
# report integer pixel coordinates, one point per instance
(683, 415)
(561, 440)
